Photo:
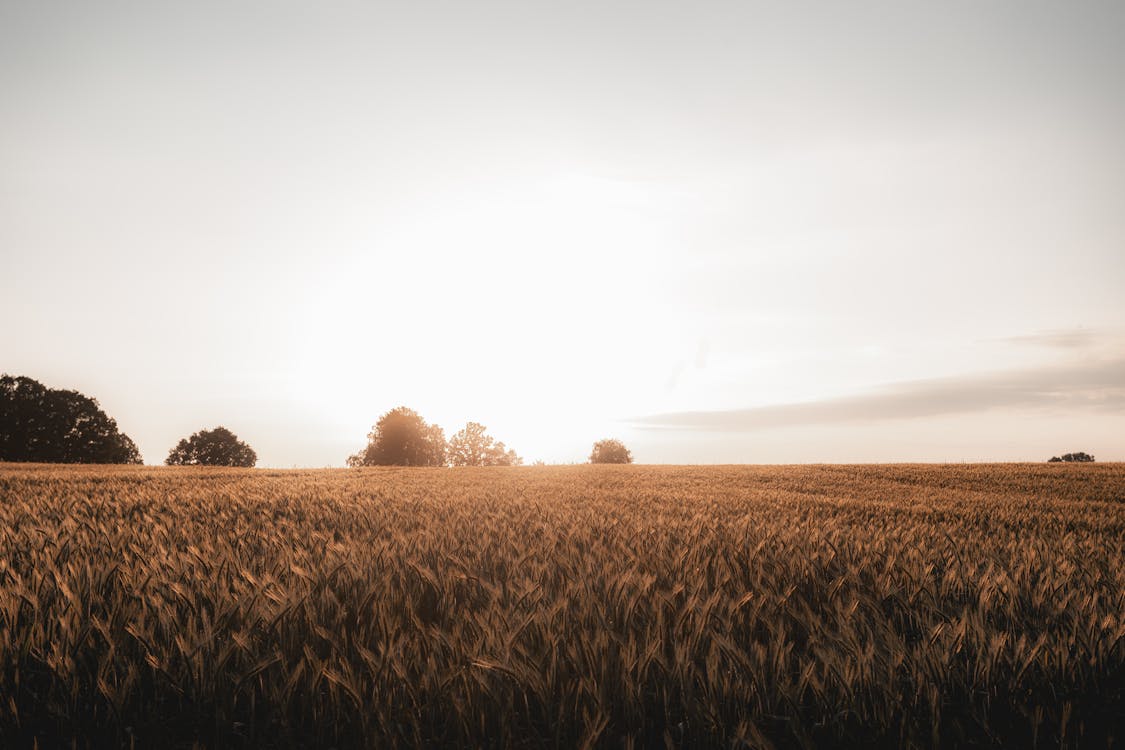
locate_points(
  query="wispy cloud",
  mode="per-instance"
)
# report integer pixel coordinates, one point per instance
(1092, 386)
(1059, 338)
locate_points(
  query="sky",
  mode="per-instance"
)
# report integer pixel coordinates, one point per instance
(722, 232)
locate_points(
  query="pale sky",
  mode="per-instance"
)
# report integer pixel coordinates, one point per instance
(721, 232)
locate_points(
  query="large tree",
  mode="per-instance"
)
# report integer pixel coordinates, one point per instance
(473, 446)
(217, 447)
(610, 451)
(57, 426)
(402, 438)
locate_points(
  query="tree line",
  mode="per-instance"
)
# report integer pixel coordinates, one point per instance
(47, 425)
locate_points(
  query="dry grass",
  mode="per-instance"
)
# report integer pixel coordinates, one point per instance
(709, 606)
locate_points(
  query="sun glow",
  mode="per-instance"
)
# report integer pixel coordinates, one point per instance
(476, 309)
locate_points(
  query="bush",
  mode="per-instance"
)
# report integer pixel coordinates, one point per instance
(217, 447)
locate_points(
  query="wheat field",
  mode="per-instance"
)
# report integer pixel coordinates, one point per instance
(789, 606)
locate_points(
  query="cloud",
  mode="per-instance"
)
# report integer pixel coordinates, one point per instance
(1059, 338)
(1092, 386)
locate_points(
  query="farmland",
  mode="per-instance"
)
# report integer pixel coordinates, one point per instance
(560, 606)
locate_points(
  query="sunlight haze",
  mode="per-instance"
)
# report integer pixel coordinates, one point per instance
(721, 232)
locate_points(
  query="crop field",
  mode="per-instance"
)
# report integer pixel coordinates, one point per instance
(789, 606)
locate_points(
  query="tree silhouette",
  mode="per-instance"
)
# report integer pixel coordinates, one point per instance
(610, 451)
(56, 426)
(472, 446)
(402, 438)
(1079, 457)
(217, 447)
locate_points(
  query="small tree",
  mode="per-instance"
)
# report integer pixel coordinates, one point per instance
(402, 438)
(217, 447)
(503, 456)
(50, 425)
(1080, 457)
(472, 446)
(610, 451)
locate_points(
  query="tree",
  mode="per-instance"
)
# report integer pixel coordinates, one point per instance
(1080, 457)
(402, 438)
(610, 451)
(56, 426)
(217, 447)
(472, 446)
(503, 456)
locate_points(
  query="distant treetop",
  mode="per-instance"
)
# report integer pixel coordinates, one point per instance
(402, 438)
(217, 447)
(473, 446)
(1079, 457)
(610, 451)
(56, 426)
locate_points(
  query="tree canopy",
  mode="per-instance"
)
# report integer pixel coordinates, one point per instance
(217, 447)
(473, 446)
(402, 438)
(610, 451)
(58, 426)
(1079, 457)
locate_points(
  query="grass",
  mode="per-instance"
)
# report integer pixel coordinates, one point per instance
(793, 606)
